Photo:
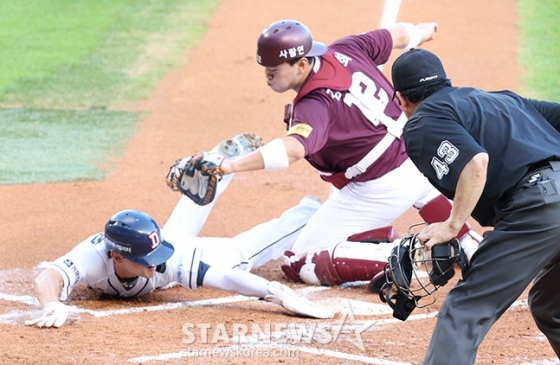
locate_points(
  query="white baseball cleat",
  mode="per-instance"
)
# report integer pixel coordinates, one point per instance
(240, 145)
(295, 303)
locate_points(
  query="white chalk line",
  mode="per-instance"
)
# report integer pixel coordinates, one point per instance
(25, 299)
(251, 348)
(359, 308)
(543, 362)
(316, 351)
(232, 350)
(16, 315)
(389, 15)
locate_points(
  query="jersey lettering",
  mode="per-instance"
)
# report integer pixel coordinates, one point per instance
(448, 152)
(154, 238)
(342, 58)
(74, 270)
(365, 94)
(335, 95)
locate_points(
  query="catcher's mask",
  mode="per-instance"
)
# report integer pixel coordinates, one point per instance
(406, 271)
(136, 236)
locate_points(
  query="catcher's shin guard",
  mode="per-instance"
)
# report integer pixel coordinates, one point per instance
(362, 257)
(348, 261)
(352, 260)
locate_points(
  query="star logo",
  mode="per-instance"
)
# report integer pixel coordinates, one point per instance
(348, 324)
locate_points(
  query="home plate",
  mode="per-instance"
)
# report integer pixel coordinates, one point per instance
(356, 307)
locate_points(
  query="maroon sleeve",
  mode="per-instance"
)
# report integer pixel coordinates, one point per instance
(377, 44)
(314, 113)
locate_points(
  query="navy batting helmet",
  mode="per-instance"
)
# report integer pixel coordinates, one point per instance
(286, 40)
(136, 236)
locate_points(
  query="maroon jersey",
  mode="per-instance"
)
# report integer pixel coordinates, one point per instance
(340, 122)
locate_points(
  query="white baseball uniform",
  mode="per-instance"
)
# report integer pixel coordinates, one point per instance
(89, 263)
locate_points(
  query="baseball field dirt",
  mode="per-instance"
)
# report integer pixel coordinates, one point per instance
(218, 92)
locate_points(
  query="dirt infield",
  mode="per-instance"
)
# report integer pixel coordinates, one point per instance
(218, 93)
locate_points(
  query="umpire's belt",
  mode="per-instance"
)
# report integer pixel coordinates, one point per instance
(534, 172)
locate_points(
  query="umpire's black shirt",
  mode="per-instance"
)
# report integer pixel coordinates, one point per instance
(452, 125)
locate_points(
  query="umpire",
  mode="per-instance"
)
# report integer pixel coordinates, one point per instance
(497, 156)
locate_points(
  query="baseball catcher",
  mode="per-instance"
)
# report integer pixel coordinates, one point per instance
(196, 177)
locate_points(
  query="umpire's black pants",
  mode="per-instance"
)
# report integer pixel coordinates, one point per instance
(525, 243)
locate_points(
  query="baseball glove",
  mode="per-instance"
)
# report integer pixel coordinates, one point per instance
(196, 177)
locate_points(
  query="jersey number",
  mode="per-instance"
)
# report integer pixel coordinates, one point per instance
(448, 153)
(365, 94)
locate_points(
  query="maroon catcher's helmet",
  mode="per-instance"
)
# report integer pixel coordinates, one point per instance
(286, 40)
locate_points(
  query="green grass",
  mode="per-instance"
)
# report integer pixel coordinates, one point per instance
(102, 53)
(539, 52)
(40, 36)
(70, 72)
(62, 145)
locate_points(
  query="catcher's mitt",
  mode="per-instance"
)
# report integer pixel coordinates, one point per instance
(196, 177)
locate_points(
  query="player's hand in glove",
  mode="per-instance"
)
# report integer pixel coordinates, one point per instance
(55, 314)
(197, 177)
(295, 303)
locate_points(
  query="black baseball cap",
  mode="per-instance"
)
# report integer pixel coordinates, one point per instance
(416, 68)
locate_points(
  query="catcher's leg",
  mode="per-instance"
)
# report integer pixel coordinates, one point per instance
(347, 262)
(361, 258)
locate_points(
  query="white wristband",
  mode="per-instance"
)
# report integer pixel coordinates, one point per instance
(274, 155)
(414, 36)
